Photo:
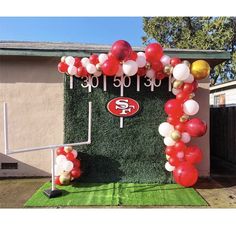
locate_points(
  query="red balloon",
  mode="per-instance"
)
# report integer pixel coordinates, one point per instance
(196, 127)
(81, 71)
(57, 180)
(180, 127)
(133, 56)
(75, 173)
(179, 146)
(174, 161)
(160, 75)
(157, 66)
(169, 150)
(60, 151)
(174, 61)
(93, 59)
(195, 85)
(173, 107)
(182, 96)
(153, 52)
(121, 50)
(142, 71)
(185, 174)
(70, 156)
(110, 67)
(193, 154)
(62, 67)
(188, 87)
(76, 163)
(173, 120)
(77, 62)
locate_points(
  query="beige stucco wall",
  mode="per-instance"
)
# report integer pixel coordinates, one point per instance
(34, 92)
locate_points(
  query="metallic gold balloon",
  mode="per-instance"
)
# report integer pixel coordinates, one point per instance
(98, 66)
(191, 95)
(186, 62)
(68, 149)
(175, 135)
(168, 69)
(200, 69)
(167, 157)
(148, 66)
(177, 84)
(184, 118)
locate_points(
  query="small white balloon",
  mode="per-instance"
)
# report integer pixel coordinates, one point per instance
(150, 73)
(165, 60)
(102, 58)
(190, 107)
(67, 165)
(130, 68)
(165, 129)
(180, 155)
(63, 58)
(72, 70)
(190, 79)
(120, 71)
(186, 138)
(75, 153)
(181, 72)
(169, 167)
(91, 68)
(168, 141)
(141, 54)
(176, 91)
(60, 159)
(70, 60)
(97, 73)
(141, 61)
(85, 61)
(58, 170)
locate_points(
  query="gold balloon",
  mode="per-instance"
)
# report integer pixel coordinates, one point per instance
(200, 69)
(177, 84)
(148, 66)
(184, 118)
(68, 149)
(175, 135)
(167, 157)
(168, 69)
(191, 95)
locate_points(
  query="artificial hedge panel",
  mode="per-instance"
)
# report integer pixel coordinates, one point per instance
(132, 154)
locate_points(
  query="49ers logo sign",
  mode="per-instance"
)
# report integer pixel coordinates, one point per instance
(123, 107)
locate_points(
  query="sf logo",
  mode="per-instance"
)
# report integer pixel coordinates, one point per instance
(124, 106)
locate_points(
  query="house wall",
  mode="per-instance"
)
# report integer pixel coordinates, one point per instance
(34, 92)
(230, 96)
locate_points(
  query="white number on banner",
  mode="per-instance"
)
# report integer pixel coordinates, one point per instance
(124, 81)
(92, 81)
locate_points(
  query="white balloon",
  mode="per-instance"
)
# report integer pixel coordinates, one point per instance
(141, 61)
(186, 138)
(165, 129)
(67, 165)
(190, 79)
(97, 73)
(75, 153)
(120, 71)
(169, 167)
(141, 54)
(63, 58)
(91, 68)
(168, 141)
(130, 68)
(181, 72)
(176, 91)
(165, 60)
(102, 58)
(70, 60)
(60, 159)
(180, 154)
(85, 61)
(58, 170)
(150, 73)
(72, 70)
(191, 107)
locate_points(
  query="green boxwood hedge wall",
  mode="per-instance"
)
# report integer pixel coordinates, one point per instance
(132, 154)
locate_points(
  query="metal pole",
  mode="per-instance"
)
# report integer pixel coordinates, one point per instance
(138, 83)
(121, 94)
(53, 168)
(104, 83)
(89, 122)
(5, 128)
(170, 83)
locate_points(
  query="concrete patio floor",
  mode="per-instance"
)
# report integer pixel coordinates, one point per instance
(219, 192)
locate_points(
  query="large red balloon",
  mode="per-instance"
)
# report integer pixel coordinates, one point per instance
(75, 173)
(57, 180)
(153, 52)
(60, 151)
(174, 61)
(76, 163)
(142, 71)
(121, 50)
(110, 67)
(185, 174)
(174, 107)
(193, 154)
(172, 120)
(62, 67)
(196, 127)
(180, 127)
(93, 59)
(182, 96)
(169, 150)
(70, 156)
(179, 146)
(77, 63)
(157, 66)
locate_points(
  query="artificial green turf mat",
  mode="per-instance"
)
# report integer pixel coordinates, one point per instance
(118, 194)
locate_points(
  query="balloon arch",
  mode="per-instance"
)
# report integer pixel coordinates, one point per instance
(124, 64)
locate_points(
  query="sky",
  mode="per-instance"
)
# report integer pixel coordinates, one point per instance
(95, 30)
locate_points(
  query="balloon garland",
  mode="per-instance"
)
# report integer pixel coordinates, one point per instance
(67, 167)
(154, 65)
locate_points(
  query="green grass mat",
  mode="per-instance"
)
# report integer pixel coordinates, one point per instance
(118, 194)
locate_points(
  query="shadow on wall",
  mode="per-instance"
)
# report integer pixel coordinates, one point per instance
(24, 69)
(23, 170)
